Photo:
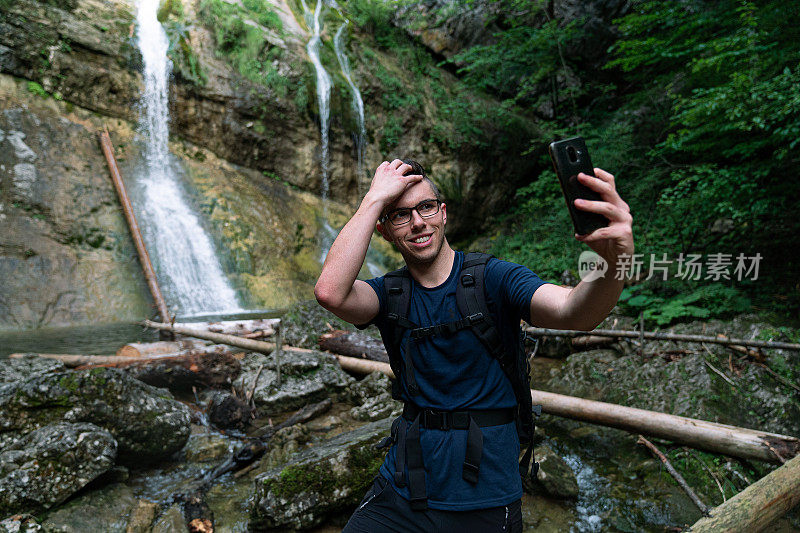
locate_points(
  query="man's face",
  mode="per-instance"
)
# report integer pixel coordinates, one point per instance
(420, 240)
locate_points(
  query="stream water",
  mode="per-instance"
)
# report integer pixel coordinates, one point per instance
(186, 263)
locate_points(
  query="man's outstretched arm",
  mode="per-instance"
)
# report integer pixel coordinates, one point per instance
(337, 288)
(588, 304)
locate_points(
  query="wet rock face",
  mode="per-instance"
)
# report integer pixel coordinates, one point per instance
(146, 422)
(49, 464)
(304, 378)
(554, 475)
(65, 253)
(319, 482)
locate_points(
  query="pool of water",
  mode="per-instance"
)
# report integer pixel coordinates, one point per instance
(98, 339)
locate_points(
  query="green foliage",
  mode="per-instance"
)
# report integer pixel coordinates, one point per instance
(706, 300)
(702, 139)
(241, 37)
(184, 60)
(37, 90)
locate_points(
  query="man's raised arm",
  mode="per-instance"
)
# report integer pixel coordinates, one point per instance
(337, 288)
(588, 304)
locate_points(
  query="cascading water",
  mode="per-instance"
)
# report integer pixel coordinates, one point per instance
(323, 88)
(185, 260)
(356, 103)
(323, 103)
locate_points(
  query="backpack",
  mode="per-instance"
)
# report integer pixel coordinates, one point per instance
(471, 302)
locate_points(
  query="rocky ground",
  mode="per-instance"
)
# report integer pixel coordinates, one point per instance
(98, 450)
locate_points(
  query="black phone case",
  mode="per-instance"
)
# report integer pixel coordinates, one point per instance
(570, 157)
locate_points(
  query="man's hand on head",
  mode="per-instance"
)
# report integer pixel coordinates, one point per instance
(389, 183)
(617, 238)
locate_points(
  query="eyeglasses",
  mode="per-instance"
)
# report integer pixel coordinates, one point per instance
(425, 209)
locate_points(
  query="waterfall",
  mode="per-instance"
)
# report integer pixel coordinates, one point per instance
(183, 254)
(323, 88)
(356, 103)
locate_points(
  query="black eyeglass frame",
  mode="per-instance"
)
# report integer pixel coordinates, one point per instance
(388, 215)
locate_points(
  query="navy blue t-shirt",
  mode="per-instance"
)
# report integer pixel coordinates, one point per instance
(456, 373)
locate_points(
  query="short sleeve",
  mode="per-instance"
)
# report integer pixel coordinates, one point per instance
(377, 285)
(515, 284)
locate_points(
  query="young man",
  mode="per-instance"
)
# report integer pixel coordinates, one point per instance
(424, 483)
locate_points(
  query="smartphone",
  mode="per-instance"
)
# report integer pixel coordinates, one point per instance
(570, 157)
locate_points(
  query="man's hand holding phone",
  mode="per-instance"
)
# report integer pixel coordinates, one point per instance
(617, 238)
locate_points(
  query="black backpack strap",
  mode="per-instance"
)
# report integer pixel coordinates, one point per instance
(471, 300)
(398, 302)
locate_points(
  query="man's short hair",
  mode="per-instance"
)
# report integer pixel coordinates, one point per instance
(416, 168)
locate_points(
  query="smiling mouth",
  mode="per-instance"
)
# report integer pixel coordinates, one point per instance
(421, 240)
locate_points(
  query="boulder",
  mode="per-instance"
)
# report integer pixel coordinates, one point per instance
(555, 476)
(306, 377)
(15, 370)
(373, 398)
(146, 422)
(326, 479)
(51, 463)
(107, 510)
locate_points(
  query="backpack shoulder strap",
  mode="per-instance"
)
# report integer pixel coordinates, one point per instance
(471, 301)
(397, 285)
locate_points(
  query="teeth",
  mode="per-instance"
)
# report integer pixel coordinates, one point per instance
(422, 239)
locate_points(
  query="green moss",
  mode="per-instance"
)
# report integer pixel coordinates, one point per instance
(71, 382)
(37, 90)
(362, 462)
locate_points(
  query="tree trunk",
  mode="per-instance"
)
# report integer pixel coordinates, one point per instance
(718, 438)
(142, 349)
(353, 344)
(758, 505)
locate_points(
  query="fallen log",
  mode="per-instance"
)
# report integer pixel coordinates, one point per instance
(74, 361)
(588, 342)
(758, 505)
(263, 326)
(142, 349)
(710, 436)
(353, 344)
(136, 234)
(661, 336)
(221, 338)
(182, 372)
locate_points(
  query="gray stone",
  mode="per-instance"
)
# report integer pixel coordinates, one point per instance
(373, 398)
(147, 422)
(15, 370)
(305, 378)
(323, 480)
(51, 463)
(106, 509)
(285, 444)
(555, 476)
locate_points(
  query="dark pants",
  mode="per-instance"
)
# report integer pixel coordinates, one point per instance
(383, 510)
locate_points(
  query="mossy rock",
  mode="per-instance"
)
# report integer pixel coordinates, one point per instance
(320, 482)
(147, 422)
